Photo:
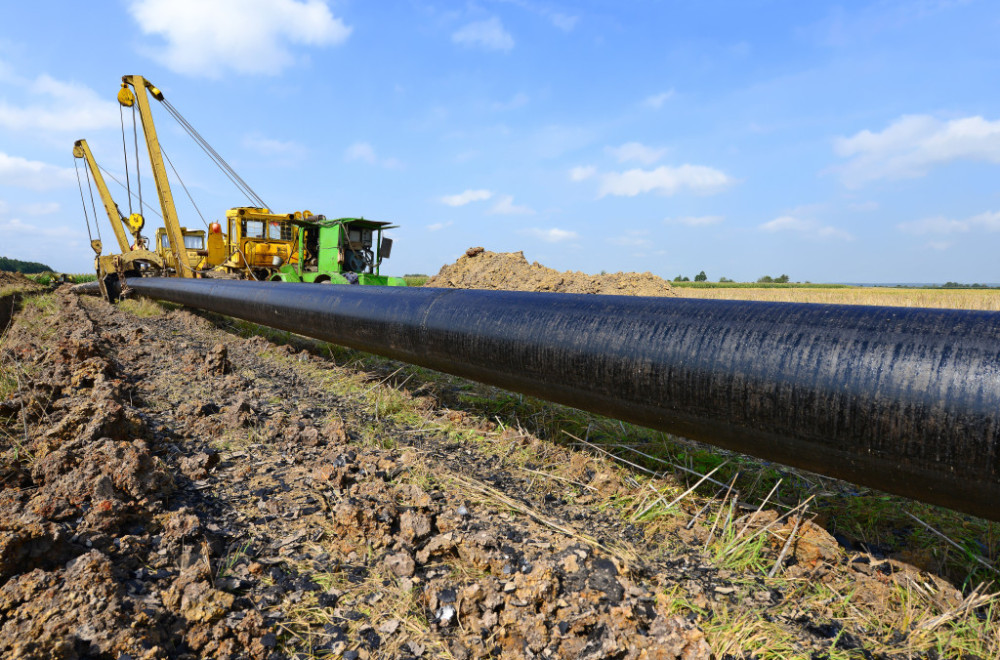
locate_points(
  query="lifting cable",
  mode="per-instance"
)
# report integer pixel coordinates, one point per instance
(86, 217)
(90, 188)
(220, 162)
(184, 186)
(121, 114)
(131, 194)
(135, 137)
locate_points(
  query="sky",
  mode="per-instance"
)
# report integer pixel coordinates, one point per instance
(847, 142)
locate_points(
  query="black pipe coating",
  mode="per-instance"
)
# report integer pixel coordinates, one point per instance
(905, 400)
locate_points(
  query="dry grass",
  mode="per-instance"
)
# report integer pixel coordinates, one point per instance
(986, 299)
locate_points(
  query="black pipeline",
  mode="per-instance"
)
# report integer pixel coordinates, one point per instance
(901, 399)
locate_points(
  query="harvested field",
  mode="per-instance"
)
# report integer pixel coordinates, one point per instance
(987, 299)
(481, 269)
(183, 486)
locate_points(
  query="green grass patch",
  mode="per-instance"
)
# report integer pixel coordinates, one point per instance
(141, 307)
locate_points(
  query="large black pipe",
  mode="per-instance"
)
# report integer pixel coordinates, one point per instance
(902, 399)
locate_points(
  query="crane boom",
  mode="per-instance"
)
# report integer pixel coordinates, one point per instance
(82, 150)
(140, 99)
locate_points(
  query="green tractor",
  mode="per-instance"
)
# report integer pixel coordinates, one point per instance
(341, 251)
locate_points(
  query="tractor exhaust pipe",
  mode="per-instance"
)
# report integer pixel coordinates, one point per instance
(905, 400)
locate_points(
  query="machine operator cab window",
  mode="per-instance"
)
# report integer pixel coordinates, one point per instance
(191, 241)
(275, 231)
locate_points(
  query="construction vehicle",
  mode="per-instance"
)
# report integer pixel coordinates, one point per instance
(341, 251)
(258, 244)
(134, 259)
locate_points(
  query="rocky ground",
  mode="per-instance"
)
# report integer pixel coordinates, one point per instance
(482, 269)
(177, 486)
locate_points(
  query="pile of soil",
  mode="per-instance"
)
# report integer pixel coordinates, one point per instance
(510, 271)
(18, 281)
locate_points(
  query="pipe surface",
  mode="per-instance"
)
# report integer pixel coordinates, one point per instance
(905, 400)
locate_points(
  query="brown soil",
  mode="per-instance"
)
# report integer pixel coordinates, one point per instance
(16, 280)
(510, 271)
(169, 489)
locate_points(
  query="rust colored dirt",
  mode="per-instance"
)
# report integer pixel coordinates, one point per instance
(510, 271)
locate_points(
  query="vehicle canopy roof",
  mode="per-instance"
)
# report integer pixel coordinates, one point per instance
(322, 221)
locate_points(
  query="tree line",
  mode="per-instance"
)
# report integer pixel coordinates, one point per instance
(702, 277)
(18, 266)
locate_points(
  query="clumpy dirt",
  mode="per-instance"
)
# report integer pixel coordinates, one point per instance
(17, 280)
(510, 271)
(13, 286)
(169, 489)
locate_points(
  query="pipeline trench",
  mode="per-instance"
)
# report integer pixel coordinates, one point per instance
(179, 486)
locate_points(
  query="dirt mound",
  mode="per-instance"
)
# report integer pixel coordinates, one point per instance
(510, 271)
(10, 280)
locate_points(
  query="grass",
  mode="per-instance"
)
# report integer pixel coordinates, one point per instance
(49, 278)
(142, 307)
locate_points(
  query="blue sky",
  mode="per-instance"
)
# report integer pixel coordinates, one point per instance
(857, 141)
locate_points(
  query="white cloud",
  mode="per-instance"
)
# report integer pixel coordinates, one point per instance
(208, 38)
(632, 238)
(564, 22)
(664, 180)
(364, 152)
(939, 245)
(553, 235)
(489, 35)
(864, 206)
(275, 148)
(438, 226)
(636, 151)
(911, 145)
(809, 228)
(989, 221)
(519, 100)
(33, 174)
(58, 106)
(695, 221)
(39, 208)
(17, 227)
(466, 197)
(656, 101)
(582, 172)
(361, 151)
(505, 206)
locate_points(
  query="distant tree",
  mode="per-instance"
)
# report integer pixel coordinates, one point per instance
(681, 278)
(725, 279)
(701, 277)
(767, 279)
(781, 279)
(18, 266)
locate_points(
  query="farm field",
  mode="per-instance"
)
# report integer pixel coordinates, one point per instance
(985, 299)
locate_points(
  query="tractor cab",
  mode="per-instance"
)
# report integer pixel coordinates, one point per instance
(340, 251)
(194, 245)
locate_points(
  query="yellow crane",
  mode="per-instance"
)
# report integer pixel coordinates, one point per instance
(133, 94)
(134, 257)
